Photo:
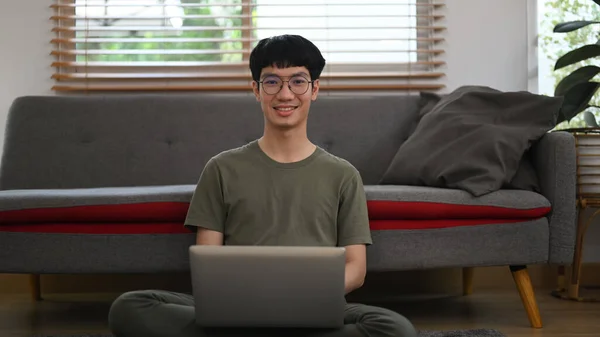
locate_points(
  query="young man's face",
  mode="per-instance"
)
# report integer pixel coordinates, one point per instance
(286, 108)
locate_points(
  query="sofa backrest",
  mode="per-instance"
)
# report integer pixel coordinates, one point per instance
(158, 139)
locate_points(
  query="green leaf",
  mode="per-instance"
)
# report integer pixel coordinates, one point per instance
(597, 2)
(577, 98)
(583, 74)
(579, 54)
(590, 119)
(566, 27)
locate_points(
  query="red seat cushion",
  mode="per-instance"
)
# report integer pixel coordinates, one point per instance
(163, 209)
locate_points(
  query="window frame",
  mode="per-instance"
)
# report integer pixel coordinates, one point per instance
(335, 77)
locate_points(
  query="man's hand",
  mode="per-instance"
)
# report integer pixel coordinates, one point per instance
(356, 267)
(209, 237)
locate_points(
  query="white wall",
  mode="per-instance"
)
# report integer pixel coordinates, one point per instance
(487, 44)
(25, 64)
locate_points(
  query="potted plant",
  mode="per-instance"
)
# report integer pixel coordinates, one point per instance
(579, 87)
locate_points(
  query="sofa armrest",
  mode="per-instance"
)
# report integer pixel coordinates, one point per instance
(554, 158)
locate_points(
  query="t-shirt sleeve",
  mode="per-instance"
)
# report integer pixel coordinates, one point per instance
(353, 218)
(207, 208)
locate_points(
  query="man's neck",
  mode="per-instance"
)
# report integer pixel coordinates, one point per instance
(286, 146)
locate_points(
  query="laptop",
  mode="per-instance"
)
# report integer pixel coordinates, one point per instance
(268, 286)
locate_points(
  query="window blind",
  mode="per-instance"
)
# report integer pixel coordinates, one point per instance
(199, 45)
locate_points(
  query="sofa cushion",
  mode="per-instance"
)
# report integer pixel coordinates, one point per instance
(106, 228)
(119, 204)
(387, 202)
(473, 139)
(162, 209)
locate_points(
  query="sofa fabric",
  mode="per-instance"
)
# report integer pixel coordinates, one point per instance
(121, 204)
(151, 140)
(22, 200)
(493, 245)
(505, 200)
(428, 100)
(50, 253)
(473, 139)
(65, 198)
(521, 243)
(101, 184)
(555, 161)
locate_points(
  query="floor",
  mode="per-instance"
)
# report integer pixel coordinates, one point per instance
(500, 309)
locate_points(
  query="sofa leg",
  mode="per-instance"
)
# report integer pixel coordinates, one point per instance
(35, 287)
(467, 280)
(523, 282)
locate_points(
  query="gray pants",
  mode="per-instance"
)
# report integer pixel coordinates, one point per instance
(155, 313)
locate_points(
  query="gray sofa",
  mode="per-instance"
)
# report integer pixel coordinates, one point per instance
(101, 184)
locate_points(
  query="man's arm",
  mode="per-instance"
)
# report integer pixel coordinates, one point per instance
(356, 267)
(353, 230)
(206, 213)
(209, 237)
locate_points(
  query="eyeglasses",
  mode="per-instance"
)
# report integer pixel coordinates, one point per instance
(297, 84)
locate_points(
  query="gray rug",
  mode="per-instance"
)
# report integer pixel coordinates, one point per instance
(463, 333)
(425, 333)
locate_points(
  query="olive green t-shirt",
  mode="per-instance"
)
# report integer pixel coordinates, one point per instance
(255, 200)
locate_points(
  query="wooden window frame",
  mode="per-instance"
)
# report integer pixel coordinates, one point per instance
(71, 76)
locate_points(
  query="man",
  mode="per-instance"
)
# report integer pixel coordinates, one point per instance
(280, 189)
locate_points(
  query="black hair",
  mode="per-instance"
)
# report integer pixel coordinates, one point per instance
(286, 51)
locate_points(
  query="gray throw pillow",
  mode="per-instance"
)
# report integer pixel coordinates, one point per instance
(526, 177)
(427, 101)
(473, 139)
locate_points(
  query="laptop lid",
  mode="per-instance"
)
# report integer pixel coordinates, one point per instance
(267, 286)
